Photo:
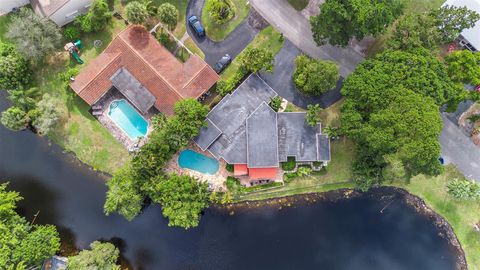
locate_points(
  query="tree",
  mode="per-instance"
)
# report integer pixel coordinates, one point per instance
(463, 189)
(341, 20)
(97, 17)
(15, 119)
(136, 12)
(451, 21)
(46, 114)
(220, 11)
(415, 30)
(101, 256)
(123, 195)
(257, 59)
(34, 36)
(313, 115)
(276, 103)
(168, 14)
(464, 66)
(315, 77)
(14, 69)
(22, 244)
(23, 99)
(182, 199)
(394, 169)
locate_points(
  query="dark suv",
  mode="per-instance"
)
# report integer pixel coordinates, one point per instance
(196, 25)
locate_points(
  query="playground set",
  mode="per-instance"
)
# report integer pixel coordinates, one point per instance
(74, 48)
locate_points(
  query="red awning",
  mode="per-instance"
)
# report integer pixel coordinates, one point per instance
(240, 169)
(262, 173)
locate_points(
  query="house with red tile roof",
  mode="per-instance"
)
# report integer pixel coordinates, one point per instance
(145, 72)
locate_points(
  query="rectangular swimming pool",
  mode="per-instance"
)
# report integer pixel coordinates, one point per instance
(128, 119)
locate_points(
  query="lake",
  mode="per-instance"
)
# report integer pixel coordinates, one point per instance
(340, 234)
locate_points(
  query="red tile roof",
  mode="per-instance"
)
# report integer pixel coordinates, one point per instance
(240, 169)
(262, 173)
(151, 64)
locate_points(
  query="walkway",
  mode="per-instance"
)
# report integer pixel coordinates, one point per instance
(296, 28)
(233, 44)
(281, 80)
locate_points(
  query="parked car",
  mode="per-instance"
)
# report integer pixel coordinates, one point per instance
(196, 25)
(222, 63)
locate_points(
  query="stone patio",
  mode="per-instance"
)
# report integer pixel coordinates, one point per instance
(104, 103)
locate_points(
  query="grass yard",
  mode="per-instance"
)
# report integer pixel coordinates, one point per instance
(219, 32)
(190, 44)
(462, 215)
(298, 4)
(77, 130)
(268, 38)
(412, 6)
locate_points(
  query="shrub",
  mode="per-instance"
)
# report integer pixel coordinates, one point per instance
(220, 11)
(276, 103)
(474, 118)
(289, 165)
(136, 12)
(229, 168)
(227, 86)
(71, 32)
(168, 14)
(97, 17)
(14, 118)
(47, 114)
(315, 77)
(257, 59)
(14, 69)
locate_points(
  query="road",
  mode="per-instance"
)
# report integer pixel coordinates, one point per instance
(233, 44)
(296, 28)
(458, 149)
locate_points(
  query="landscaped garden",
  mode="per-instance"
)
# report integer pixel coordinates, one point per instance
(221, 17)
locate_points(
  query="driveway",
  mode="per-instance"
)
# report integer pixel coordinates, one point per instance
(296, 28)
(281, 80)
(458, 148)
(233, 44)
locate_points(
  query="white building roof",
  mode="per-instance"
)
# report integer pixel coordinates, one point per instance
(472, 35)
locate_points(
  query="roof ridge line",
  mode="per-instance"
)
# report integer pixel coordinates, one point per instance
(101, 70)
(194, 77)
(145, 62)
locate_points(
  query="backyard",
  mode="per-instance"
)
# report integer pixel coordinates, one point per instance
(77, 131)
(219, 32)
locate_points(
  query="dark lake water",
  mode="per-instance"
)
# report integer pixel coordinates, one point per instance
(346, 234)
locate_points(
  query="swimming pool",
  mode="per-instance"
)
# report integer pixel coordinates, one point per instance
(128, 119)
(192, 160)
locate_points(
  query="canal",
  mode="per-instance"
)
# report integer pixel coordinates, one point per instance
(332, 234)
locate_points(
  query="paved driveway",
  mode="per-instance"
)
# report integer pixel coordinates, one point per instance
(281, 80)
(296, 28)
(458, 148)
(235, 42)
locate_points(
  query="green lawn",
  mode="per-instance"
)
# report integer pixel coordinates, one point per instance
(298, 4)
(412, 6)
(462, 215)
(77, 131)
(219, 32)
(268, 38)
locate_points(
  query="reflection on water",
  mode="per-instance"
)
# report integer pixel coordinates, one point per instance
(347, 234)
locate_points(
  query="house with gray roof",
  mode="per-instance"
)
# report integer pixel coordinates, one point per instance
(246, 132)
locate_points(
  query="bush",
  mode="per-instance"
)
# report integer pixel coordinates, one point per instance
(229, 168)
(14, 69)
(225, 87)
(474, 118)
(168, 14)
(71, 32)
(96, 19)
(315, 77)
(14, 118)
(289, 165)
(276, 103)
(220, 11)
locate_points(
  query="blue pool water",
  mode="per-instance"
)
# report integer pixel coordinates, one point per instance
(128, 119)
(192, 160)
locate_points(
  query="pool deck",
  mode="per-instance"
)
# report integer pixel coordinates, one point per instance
(116, 131)
(216, 181)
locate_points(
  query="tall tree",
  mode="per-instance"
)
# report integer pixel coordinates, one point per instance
(136, 12)
(315, 77)
(20, 242)
(257, 59)
(14, 69)
(97, 17)
(341, 20)
(101, 256)
(464, 66)
(168, 14)
(124, 195)
(46, 114)
(415, 30)
(451, 21)
(34, 36)
(182, 198)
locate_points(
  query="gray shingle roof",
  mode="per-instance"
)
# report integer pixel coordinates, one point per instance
(133, 90)
(207, 135)
(262, 141)
(296, 138)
